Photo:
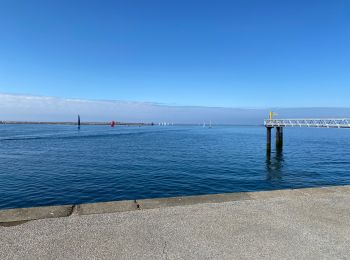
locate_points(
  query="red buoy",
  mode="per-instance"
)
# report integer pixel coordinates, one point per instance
(112, 123)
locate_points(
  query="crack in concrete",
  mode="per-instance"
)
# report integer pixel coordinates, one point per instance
(137, 205)
(73, 210)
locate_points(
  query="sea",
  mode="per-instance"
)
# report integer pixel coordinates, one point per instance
(58, 164)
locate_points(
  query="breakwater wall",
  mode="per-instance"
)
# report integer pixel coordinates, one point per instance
(71, 123)
(10, 217)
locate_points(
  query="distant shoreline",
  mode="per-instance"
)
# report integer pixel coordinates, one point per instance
(116, 123)
(70, 123)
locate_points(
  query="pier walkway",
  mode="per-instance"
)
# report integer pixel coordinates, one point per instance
(286, 224)
(324, 123)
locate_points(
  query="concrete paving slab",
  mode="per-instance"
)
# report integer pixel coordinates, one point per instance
(191, 200)
(339, 189)
(106, 207)
(24, 214)
(276, 194)
(322, 191)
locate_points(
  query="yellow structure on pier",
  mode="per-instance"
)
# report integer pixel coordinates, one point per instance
(272, 114)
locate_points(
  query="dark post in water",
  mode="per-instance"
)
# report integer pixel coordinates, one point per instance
(78, 121)
(268, 138)
(279, 137)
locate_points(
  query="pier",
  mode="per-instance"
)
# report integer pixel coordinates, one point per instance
(310, 223)
(279, 124)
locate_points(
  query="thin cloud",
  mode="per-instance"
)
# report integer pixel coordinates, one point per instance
(42, 108)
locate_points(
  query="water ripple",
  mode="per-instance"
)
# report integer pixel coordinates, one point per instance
(51, 165)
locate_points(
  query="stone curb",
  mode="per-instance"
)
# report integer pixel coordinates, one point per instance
(191, 200)
(25, 214)
(106, 207)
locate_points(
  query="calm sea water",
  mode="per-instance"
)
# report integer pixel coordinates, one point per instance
(52, 165)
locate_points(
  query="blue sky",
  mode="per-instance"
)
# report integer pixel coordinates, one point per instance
(39, 108)
(251, 54)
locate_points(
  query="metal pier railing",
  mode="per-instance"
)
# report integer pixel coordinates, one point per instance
(325, 123)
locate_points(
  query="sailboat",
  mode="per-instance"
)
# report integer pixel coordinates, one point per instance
(210, 124)
(203, 124)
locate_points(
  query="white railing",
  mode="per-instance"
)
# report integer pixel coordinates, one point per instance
(327, 123)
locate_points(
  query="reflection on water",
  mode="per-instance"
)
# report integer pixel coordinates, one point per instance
(274, 164)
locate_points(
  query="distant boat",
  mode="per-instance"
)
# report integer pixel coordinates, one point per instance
(203, 124)
(210, 124)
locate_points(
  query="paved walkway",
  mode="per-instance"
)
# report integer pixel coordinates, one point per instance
(290, 224)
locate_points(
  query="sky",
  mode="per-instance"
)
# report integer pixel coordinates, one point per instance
(43, 108)
(246, 54)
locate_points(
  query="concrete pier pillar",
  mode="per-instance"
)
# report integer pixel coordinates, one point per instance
(279, 137)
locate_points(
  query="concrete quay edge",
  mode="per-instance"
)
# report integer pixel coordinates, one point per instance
(20, 215)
